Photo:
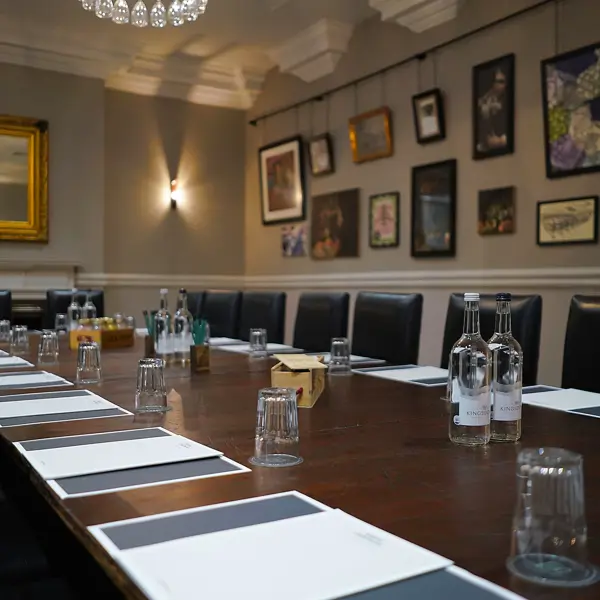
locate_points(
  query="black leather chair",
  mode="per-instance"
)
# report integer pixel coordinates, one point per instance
(222, 311)
(526, 320)
(6, 305)
(265, 310)
(580, 359)
(388, 326)
(57, 301)
(195, 303)
(320, 317)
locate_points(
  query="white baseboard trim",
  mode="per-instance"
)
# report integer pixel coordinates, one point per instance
(575, 278)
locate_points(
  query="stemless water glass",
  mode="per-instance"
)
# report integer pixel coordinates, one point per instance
(19, 340)
(339, 360)
(61, 323)
(130, 322)
(549, 537)
(4, 331)
(258, 343)
(277, 438)
(48, 348)
(89, 368)
(151, 391)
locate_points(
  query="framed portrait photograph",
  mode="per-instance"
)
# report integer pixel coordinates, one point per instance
(334, 225)
(571, 106)
(282, 181)
(384, 220)
(433, 218)
(371, 135)
(320, 154)
(494, 107)
(496, 211)
(428, 115)
(570, 221)
(294, 240)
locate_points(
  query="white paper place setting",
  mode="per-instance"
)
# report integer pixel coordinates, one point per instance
(224, 341)
(272, 348)
(354, 359)
(31, 379)
(14, 362)
(569, 400)
(425, 376)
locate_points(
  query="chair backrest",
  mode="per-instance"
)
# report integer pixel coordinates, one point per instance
(526, 319)
(195, 303)
(580, 359)
(320, 317)
(222, 311)
(388, 326)
(6, 305)
(265, 310)
(57, 301)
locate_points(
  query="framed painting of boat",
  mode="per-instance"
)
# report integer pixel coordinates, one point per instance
(570, 221)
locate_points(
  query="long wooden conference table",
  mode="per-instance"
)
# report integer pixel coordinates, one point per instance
(377, 449)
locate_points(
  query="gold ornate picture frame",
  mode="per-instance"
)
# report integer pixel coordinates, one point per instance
(371, 135)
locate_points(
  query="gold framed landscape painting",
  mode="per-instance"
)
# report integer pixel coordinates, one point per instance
(371, 135)
(570, 221)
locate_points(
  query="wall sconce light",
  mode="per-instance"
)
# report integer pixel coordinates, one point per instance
(175, 195)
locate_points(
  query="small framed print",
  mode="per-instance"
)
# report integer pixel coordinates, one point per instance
(320, 155)
(371, 135)
(384, 220)
(570, 221)
(496, 211)
(428, 115)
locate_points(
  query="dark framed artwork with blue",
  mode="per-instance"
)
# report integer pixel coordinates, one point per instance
(571, 104)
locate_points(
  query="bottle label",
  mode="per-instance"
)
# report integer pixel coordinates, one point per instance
(473, 407)
(507, 405)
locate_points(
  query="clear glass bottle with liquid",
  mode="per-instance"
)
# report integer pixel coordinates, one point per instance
(507, 375)
(163, 329)
(469, 381)
(183, 323)
(88, 310)
(73, 312)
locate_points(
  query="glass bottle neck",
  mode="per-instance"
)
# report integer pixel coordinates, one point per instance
(503, 321)
(471, 318)
(183, 303)
(164, 302)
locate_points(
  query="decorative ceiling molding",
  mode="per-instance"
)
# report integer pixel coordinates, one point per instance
(315, 52)
(417, 15)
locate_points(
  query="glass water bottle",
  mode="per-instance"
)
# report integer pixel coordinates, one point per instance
(507, 375)
(469, 381)
(163, 332)
(73, 311)
(182, 328)
(88, 310)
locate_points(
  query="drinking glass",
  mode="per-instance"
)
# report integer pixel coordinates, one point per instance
(339, 360)
(258, 343)
(4, 331)
(151, 391)
(48, 348)
(549, 537)
(89, 369)
(276, 441)
(130, 322)
(19, 340)
(61, 323)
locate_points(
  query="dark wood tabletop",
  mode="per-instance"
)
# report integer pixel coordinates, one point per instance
(376, 449)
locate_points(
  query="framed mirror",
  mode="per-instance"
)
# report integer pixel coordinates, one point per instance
(23, 179)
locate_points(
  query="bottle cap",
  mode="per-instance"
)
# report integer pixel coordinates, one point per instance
(183, 291)
(503, 297)
(471, 296)
(164, 291)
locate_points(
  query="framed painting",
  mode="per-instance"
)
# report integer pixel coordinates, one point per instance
(494, 108)
(571, 105)
(428, 115)
(496, 211)
(384, 220)
(433, 218)
(570, 221)
(294, 240)
(371, 135)
(334, 225)
(282, 182)
(320, 153)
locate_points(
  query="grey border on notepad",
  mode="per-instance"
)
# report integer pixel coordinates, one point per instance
(429, 381)
(537, 389)
(390, 368)
(68, 416)
(590, 411)
(45, 395)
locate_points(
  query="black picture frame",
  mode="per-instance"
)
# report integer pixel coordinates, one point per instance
(496, 211)
(326, 143)
(420, 101)
(442, 183)
(283, 149)
(557, 72)
(488, 107)
(550, 239)
(394, 198)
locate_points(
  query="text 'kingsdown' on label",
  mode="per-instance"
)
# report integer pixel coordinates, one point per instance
(474, 406)
(507, 406)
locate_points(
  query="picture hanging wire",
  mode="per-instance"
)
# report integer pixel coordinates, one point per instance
(327, 100)
(434, 59)
(298, 120)
(355, 98)
(557, 15)
(383, 88)
(419, 90)
(311, 118)
(263, 132)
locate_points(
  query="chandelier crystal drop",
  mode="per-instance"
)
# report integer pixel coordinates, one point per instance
(142, 13)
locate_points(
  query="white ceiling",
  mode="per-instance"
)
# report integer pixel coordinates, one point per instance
(220, 59)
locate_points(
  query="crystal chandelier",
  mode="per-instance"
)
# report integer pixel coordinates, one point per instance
(178, 13)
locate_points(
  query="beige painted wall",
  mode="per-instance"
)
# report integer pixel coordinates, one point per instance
(74, 107)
